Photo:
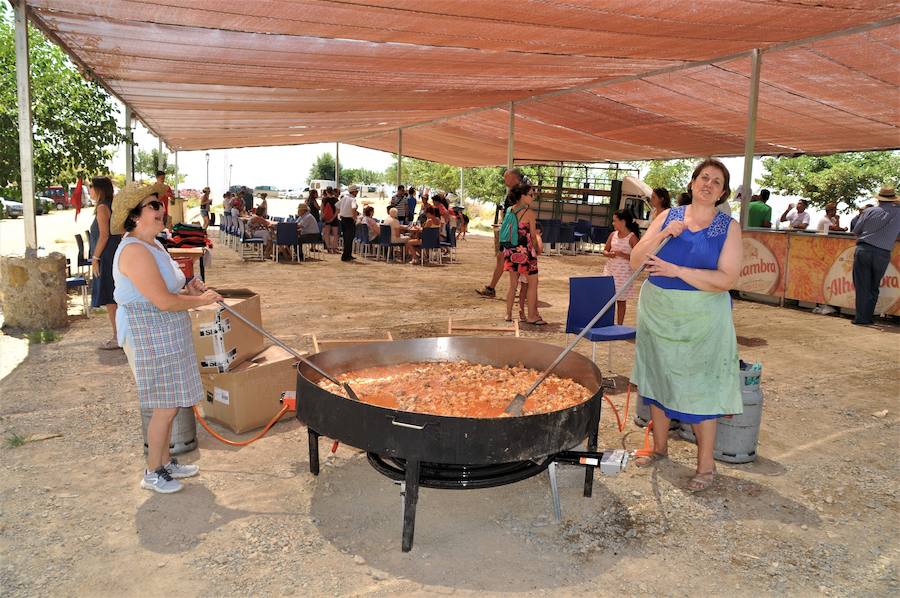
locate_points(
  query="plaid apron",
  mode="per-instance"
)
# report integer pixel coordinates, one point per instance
(161, 354)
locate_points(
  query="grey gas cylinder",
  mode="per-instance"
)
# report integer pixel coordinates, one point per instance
(641, 413)
(642, 416)
(184, 430)
(737, 436)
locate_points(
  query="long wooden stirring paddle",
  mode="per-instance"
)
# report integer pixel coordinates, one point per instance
(515, 406)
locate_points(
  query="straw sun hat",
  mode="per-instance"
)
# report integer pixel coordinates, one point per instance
(886, 194)
(129, 198)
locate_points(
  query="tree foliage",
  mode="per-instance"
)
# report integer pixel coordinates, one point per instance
(847, 177)
(674, 175)
(360, 175)
(323, 168)
(75, 123)
(146, 163)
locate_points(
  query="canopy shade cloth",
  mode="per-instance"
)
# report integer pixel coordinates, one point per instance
(592, 81)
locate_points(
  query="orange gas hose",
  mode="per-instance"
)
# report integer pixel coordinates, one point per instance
(647, 450)
(215, 435)
(620, 421)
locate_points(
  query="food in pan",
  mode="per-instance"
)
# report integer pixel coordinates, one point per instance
(459, 389)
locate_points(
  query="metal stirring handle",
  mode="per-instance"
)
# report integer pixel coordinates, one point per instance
(275, 340)
(590, 325)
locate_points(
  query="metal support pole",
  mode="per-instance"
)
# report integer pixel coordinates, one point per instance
(26, 150)
(129, 145)
(511, 138)
(337, 166)
(399, 157)
(160, 163)
(462, 186)
(750, 142)
(175, 186)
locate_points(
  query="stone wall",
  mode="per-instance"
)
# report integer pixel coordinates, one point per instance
(33, 291)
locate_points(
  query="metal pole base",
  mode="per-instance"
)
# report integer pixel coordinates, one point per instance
(554, 491)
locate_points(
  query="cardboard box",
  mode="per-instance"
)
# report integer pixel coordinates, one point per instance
(249, 396)
(222, 341)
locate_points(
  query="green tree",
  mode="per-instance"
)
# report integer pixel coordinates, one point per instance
(146, 163)
(322, 168)
(674, 175)
(360, 175)
(847, 177)
(75, 123)
(423, 173)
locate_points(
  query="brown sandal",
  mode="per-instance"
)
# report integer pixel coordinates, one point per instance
(701, 481)
(651, 459)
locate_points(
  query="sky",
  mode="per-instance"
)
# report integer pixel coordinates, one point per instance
(285, 167)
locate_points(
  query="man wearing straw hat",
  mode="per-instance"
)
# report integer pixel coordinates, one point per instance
(154, 328)
(876, 231)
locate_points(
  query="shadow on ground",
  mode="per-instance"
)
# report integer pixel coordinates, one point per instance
(519, 545)
(164, 525)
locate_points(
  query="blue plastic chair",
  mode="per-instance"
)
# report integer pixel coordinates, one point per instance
(450, 244)
(582, 232)
(431, 242)
(249, 246)
(286, 235)
(566, 237)
(550, 235)
(361, 240)
(587, 294)
(384, 242)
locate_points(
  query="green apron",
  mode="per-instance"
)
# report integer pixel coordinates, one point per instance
(686, 351)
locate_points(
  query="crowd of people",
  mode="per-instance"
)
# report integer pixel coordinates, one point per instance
(332, 219)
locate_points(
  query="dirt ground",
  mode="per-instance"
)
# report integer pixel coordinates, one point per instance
(815, 514)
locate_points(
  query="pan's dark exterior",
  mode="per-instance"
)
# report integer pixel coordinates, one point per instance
(440, 439)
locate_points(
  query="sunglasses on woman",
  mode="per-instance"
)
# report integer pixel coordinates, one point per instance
(155, 205)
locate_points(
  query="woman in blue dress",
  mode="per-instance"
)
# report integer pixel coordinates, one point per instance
(104, 241)
(686, 361)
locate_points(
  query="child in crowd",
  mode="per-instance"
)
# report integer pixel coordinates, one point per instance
(625, 235)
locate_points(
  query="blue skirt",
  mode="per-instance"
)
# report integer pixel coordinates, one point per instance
(688, 418)
(102, 287)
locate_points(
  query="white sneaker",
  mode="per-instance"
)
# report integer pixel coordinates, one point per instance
(160, 481)
(179, 471)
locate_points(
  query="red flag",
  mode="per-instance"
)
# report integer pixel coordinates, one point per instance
(76, 198)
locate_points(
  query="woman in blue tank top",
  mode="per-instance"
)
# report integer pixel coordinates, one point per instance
(686, 361)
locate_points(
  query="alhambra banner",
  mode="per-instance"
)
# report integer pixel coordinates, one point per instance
(763, 268)
(811, 268)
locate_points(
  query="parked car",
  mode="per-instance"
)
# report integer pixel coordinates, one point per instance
(43, 205)
(12, 209)
(63, 197)
(271, 192)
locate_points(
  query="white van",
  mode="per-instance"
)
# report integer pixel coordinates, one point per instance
(320, 185)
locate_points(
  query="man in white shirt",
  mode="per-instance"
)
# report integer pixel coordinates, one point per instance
(348, 214)
(798, 218)
(830, 221)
